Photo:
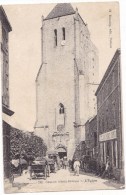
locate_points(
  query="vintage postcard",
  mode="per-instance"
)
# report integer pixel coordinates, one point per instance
(61, 97)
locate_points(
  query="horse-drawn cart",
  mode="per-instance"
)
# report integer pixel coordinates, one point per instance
(39, 168)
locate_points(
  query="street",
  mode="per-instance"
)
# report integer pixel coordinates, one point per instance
(60, 181)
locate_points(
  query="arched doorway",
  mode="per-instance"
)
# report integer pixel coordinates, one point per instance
(62, 151)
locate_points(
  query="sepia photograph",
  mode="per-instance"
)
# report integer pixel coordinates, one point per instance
(61, 92)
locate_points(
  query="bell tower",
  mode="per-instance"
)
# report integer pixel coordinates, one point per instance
(57, 83)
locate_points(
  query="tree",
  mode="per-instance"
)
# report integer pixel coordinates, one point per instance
(26, 144)
(80, 150)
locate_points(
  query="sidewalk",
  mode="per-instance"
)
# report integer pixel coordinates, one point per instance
(9, 187)
(113, 182)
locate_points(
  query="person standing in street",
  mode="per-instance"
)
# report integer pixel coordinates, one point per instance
(30, 170)
(76, 167)
(107, 168)
(64, 163)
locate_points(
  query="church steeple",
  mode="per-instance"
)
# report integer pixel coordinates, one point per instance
(61, 9)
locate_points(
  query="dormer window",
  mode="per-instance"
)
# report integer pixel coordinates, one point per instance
(55, 37)
(63, 33)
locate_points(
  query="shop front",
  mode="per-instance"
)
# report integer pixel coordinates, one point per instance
(109, 148)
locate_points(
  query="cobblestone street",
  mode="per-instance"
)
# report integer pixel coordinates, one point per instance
(65, 179)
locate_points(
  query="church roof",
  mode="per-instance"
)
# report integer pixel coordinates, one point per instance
(61, 9)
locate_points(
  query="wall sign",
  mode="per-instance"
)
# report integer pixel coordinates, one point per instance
(108, 135)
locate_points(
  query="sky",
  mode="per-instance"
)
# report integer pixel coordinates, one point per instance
(25, 50)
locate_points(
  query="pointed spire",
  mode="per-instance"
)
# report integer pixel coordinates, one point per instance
(61, 9)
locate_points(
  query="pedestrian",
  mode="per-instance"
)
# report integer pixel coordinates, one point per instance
(99, 166)
(64, 162)
(58, 162)
(107, 168)
(30, 170)
(76, 167)
(70, 163)
(47, 165)
(81, 164)
(61, 163)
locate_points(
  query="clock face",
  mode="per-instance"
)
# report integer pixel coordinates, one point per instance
(60, 128)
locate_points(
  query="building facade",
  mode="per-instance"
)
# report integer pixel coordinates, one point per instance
(109, 116)
(64, 84)
(91, 137)
(5, 28)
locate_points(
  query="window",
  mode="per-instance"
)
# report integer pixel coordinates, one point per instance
(61, 109)
(107, 125)
(99, 127)
(63, 31)
(102, 151)
(55, 37)
(113, 78)
(114, 114)
(95, 139)
(103, 124)
(114, 153)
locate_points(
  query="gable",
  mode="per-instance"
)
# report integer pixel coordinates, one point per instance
(61, 9)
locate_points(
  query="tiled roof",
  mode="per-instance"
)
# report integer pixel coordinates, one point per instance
(61, 9)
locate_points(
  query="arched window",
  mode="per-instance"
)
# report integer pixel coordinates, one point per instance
(55, 37)
(61, 109)
(63, 31)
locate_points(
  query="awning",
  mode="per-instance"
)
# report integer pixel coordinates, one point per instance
(61, 150)
(52, 152)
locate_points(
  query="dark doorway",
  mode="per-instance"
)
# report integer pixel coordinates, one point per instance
(62, 154)
(62, 151)
(108, 151)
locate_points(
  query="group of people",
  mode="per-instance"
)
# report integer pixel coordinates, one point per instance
(64, 163)
(75, 165)
(104, 170)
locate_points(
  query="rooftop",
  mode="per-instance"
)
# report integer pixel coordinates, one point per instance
(116, 55)
(61, 9)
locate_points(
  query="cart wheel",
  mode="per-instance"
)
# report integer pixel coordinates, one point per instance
(45, 172)
(55, 170)
(48, 171)
(55, 167)
(20, 171)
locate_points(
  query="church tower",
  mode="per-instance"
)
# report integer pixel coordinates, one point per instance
(62, 90)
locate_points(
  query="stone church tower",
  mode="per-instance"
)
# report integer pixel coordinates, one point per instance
(64, 83)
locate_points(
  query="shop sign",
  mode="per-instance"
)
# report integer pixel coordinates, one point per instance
(108, 135)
